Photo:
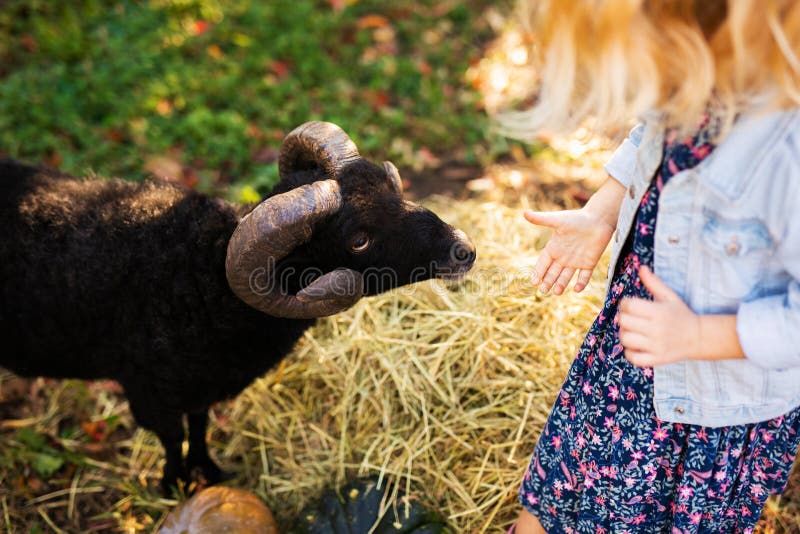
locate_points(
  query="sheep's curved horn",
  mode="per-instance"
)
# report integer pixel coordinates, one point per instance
(316, 144)
(269, 233)
(394, 177)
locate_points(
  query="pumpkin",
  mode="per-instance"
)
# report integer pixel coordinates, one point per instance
(218, 510)
(356, 509)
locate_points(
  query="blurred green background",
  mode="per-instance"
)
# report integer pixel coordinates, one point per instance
(203, 91)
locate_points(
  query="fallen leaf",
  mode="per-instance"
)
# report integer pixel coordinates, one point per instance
(96, 430)
(20, 486)
(372, 21)
(34, 484)
(29, 43)
(215, 51)
(337, 5)
(254, 131)
(376, 98)
(200, 27)
(424, 67)
(190, 177)
(280, 69)
(164, 107)
(53, 158)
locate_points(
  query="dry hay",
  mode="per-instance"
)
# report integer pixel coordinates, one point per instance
(441, 390)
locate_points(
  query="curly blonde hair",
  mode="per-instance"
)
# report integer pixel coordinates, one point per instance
(612, 60)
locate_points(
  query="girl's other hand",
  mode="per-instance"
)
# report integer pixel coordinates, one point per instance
(664, 330)
(579, 239)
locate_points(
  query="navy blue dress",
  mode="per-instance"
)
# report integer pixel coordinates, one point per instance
(606, 464)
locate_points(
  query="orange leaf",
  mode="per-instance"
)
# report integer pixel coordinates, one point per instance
(200, 27)
(372, 21)
(34, 484)
(215, 51)
(190, 178)
(164, 107)
(280, 69)
(424, 67)
(254, 131)
(96, 430)
(53, 158)
(29, 43)
(337, 5)
(377, 99)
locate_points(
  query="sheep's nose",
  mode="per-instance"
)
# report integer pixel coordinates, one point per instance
(464, 249)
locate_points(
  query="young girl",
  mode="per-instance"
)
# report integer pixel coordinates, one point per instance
(680, 413)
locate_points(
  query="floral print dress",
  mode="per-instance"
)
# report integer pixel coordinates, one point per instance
(605, 463)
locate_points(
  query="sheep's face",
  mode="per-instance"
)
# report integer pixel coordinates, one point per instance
(390, 241)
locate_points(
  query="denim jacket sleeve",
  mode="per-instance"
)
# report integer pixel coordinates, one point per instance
(769, 327)
(622, 164)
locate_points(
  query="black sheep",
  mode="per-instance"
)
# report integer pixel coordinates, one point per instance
(185, 299)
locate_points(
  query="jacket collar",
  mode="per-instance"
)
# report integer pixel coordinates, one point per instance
(753, 138)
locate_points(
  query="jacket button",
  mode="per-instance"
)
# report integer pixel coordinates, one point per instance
(733, 247)
(679, 410)
(673, 240)
(632, 191)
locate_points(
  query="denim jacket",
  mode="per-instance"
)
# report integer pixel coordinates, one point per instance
(727, 240)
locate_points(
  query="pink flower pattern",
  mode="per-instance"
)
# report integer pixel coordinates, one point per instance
(617, 467)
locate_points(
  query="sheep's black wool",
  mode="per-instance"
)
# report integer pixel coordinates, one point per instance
(123, 280)
(112, 279)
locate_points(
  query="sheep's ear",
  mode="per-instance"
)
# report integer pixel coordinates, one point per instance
(395, 182)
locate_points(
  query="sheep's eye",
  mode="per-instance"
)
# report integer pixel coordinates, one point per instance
(360, 244)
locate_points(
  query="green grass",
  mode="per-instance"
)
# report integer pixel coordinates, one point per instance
(215, 84)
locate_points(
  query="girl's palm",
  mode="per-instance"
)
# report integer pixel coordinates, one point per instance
(579, 239)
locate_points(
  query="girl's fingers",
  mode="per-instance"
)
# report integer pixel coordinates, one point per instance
(638, 307)
(542, 218)
(584, 275)
(634, 323)
(633, 340)
(542, 265)
(656, 286)
(563, 280)
(641, 358)
(550, 278)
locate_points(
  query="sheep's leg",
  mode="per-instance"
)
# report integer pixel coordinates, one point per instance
(170, 432)
(198, 458)
(168, 426)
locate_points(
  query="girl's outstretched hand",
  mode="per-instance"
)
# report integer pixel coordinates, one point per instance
(579, 239)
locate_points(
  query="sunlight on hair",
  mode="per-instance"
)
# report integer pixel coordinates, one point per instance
(616, 60)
